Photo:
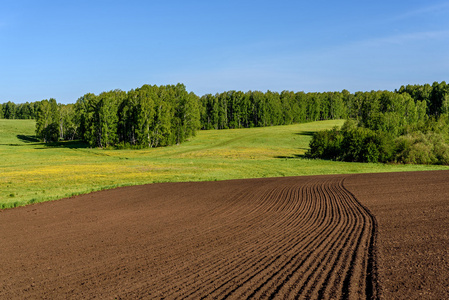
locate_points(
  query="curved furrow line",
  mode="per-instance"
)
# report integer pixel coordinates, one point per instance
(320, 233)
(353, 283)
(272, 238)
(353, 260)
(340, 261)
(268, 199)
(280, 275)
(312, 262)
(368, 251)
(203, 264)
(285, 248)
(338, 256)
(332, 251)
(356, 237)
(207, 269)
(269, 261)
(248, 270)
(293, 212)
(353, 270)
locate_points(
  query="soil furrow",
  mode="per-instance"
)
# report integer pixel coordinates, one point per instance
(337, 239)
(298, 237)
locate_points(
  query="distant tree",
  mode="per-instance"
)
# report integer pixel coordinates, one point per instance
(289, 107)
(9, 110)
(68, 129)
(161, 126)
(145, 99)
(302, 103)
(209, 116)
(223, 119)
(100, 118)
(274, 113)
(444, 109)
(324, 100)
(84, 111)
(260, 109)
(107, 118)
(187, 114)
(337, 109)
(313, 107)
(128, 111)
(47, 121)
(25, 111)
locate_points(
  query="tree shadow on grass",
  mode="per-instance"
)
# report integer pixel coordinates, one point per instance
(294, 156)
(25, 140)
(33, 140)
(308, 133)
(28, 138)
(65, 144)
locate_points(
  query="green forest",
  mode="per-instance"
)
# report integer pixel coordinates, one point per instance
(409, 125)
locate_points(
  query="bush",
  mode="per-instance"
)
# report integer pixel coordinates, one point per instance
(421, 153)
(351, 144)
(325, 144)
(365, 145)
(50, 133)
(420, 148)
(441, 151)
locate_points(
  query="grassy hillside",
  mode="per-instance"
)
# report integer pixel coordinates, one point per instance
(31, 171)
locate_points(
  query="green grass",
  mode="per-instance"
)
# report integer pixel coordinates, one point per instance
(31, 171)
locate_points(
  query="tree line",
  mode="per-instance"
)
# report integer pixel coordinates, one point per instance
(383, 125)
(410, 125)
(235, 109)
(10, 110)
(150, 116)
(153, 116)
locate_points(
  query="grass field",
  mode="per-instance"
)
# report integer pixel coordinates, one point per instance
(31, 171)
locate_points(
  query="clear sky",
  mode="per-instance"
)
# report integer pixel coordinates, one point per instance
(65, 49)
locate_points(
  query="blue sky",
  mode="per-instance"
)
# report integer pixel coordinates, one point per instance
(64, 49)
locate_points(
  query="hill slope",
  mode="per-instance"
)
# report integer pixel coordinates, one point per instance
(33, 172)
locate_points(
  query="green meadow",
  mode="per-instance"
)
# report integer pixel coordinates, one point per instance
(31, 171)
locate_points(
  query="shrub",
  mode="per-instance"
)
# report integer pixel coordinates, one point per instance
(365, 145)
(421, 153)
(50, 133)
(325, 144)
(420, 148)
(351, 144)
(442, 153)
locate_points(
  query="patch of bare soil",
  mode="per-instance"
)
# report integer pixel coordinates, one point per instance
(412, 211)
(306, 237)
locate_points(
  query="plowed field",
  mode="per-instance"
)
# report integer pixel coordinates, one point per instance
(305, 237)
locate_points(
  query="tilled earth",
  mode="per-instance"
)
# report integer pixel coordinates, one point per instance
(347, 236)
(412, 211)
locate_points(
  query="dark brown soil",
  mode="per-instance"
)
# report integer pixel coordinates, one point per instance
(310, 237)
(412, 211)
